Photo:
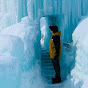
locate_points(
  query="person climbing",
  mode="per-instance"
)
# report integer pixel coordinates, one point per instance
(55, 52)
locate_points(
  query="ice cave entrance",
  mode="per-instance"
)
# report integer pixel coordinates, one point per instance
(47, 71)
(45, 22)
(67, 61)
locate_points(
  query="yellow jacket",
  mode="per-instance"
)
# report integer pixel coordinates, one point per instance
(52, 50)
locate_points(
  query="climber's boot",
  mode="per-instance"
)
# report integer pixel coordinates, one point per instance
(56, 80)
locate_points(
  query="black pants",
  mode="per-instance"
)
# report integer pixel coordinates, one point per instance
(56, 65)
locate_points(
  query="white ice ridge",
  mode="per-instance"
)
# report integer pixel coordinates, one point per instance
(80, 39)
(18, 55)
(11, 51)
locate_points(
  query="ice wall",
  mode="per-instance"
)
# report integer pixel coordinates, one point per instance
(69, 12)
(11, 12)
(26, 30)
(10, 55)
(80, 71)
(45, 22)
(25, 49)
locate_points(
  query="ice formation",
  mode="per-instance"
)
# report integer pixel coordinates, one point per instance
(20, 34)
(23, 48)
(10, 72)
(80, 39)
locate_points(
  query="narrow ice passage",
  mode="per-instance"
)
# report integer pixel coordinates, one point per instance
(47, 70)
(79, 75)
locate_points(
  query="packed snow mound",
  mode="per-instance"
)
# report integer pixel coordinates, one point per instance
(11, 44)
(21, 29)
(80, 40)
(6, 60)
(9, 71)
(11, 51)
(21, 42)
(80, 35)
(27, 31)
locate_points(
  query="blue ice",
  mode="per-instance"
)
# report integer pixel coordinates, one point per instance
(22, 22)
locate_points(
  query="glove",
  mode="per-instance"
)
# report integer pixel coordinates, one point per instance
(55, 58)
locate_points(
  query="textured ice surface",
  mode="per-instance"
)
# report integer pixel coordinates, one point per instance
(11, 12)
(20, 41)
(11, 51)
(10, 73)
(27, 31)
(10, 44)
(80, 39)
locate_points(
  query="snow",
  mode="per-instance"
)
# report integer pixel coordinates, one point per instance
(10, 72)
(80, 40)
(19, 45)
